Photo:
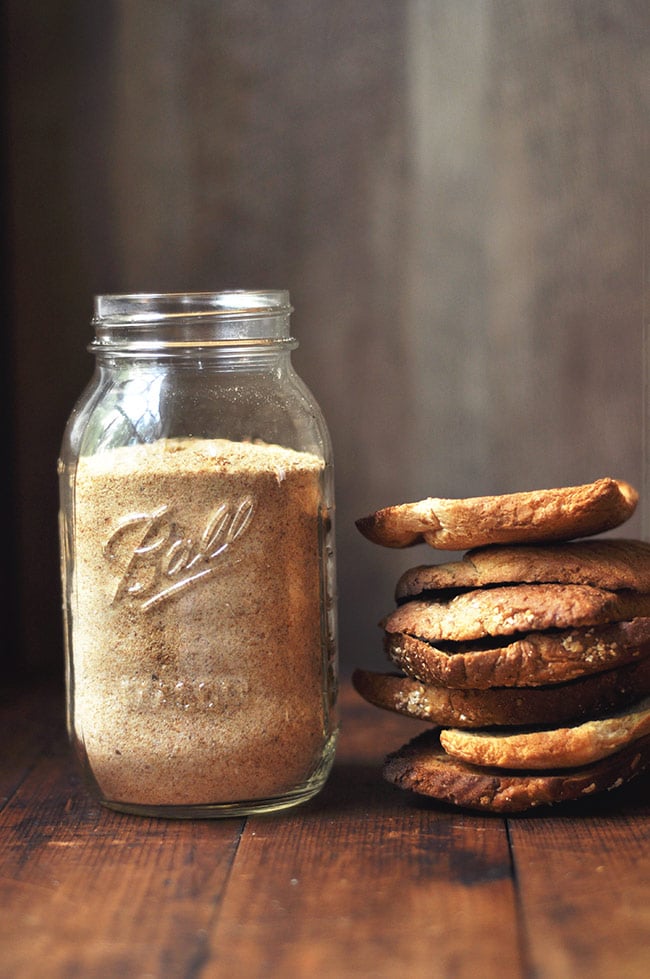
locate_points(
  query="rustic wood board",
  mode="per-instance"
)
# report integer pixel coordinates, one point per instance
(362, 889)
(583, 877)
(363, 881)
(89, 892)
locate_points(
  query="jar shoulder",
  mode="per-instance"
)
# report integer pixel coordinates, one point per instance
(126, 406)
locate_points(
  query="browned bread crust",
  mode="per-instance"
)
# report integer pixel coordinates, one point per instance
(532, 660)
(542, 748)
(561, 703)
(507, 609)
(424, 767)
(613, 564)
(537, 515)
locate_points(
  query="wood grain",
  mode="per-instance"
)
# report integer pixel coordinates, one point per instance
(89, 892)
(583, 878)
(363, 882)
(360, 886)
(26, 721)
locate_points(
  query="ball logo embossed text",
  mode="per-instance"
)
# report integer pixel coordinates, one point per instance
(157, 559)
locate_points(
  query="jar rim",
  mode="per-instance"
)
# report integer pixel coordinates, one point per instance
(150, 323)
(165, 307)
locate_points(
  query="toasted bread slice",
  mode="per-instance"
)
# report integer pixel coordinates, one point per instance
(561, 703)
(532, 660)
(537, 515)
(508, 609)
(542, 748)
(613, 564)
(424, 767)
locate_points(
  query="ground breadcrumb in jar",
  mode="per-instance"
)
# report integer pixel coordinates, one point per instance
(197, 621)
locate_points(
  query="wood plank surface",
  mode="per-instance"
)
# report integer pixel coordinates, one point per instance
(89, 892)
(25, 728)
(360, 883)
(363, 881)
(583, 877)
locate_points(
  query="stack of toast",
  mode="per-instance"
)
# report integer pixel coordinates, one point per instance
(529, 656)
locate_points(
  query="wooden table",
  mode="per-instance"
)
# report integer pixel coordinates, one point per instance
(364, 881)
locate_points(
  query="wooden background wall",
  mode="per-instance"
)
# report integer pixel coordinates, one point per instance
(454, 191)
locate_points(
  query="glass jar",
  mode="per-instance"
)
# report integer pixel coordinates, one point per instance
(198, 560)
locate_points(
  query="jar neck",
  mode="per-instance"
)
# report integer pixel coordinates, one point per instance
(189, 325)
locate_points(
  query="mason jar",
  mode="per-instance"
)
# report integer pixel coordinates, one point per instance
(198, 560)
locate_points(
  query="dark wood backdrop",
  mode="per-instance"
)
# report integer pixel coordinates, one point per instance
(454, 191)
